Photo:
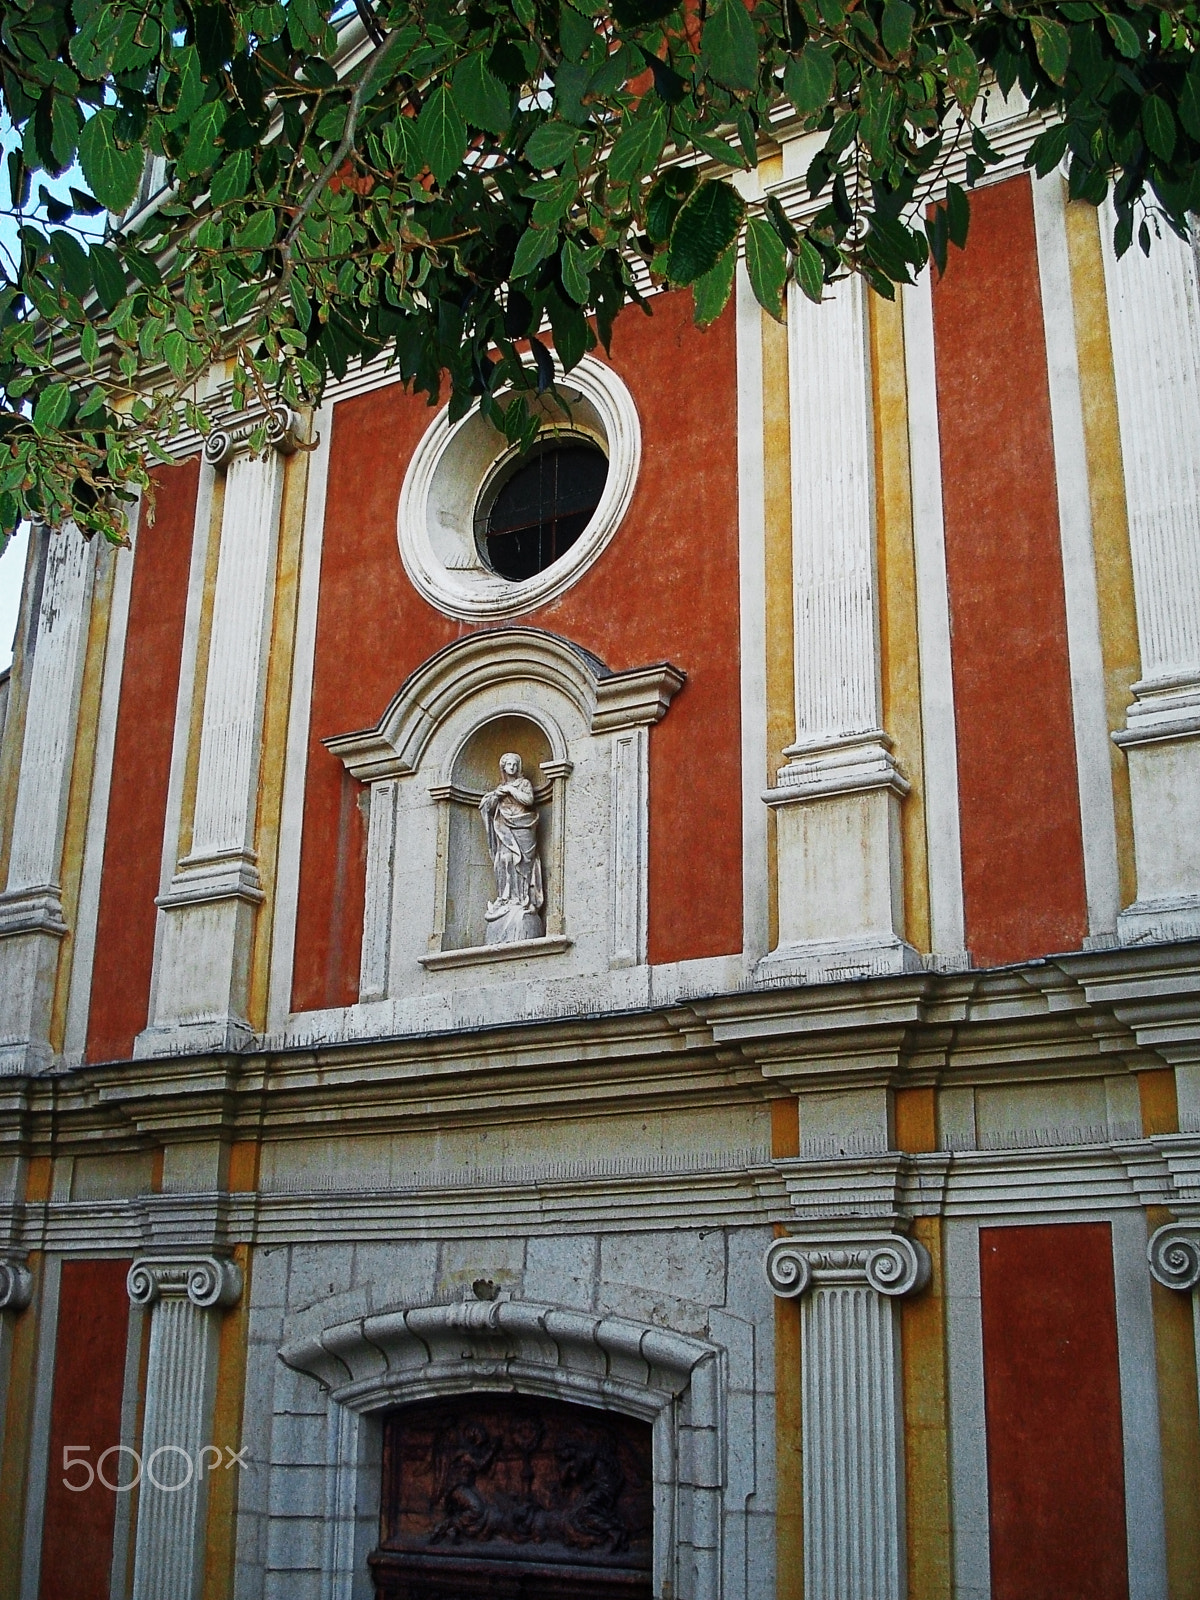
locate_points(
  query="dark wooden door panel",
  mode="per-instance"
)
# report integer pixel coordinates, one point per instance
(509, 1495)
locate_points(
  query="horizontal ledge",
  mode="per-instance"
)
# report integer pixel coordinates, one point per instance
(475, 955)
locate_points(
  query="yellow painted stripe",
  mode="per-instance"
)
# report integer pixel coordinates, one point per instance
(83, 771)
(221, 1527)
(191, 769)
(899, 641)
(777, 560)
(275, 725)
(1179, 1428)
(1110, 525)
(927, 1427)
(18, 1427)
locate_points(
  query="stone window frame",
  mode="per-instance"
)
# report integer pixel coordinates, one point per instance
(673, 1381)
(452, 467)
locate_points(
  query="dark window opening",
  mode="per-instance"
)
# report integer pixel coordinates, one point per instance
(542, 505)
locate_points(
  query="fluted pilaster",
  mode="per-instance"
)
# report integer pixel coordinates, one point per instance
(851, 1407)
(31, 913)
(210, 906)
(1154, 304)
(183, 1293)
(836, 800)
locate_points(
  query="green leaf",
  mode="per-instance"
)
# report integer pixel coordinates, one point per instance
(720, 150)
(1124, 35)
(113, 173)
(962, 72)
(711, 291)
(89, 345)
(898, 17)
(639, 145)
(1189, 102)
(52, 406)
(1159, 126)
(259, 231)
(767, 265)
(443, 135)
(958, 215)
(481, 97)
(574, 272)
(201, 152)
(810, 270)
(1053, 45)
(72, 261)
(808, 78)
(707, 224)
(730, 45)
(551, 144)
(536, 244)
(176, 351)
(231, 179)
(66, 120)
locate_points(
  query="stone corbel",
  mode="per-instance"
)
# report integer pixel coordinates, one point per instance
(16, 1286)
(1174, 1255)
(233, 435)
(892, 1265)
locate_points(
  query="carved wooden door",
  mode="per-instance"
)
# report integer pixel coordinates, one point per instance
(515, 1497)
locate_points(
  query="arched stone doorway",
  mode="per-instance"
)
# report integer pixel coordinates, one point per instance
(514, 1495)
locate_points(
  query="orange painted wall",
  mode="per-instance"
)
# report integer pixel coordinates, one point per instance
(1022, 843)
(89, 1367)
(1056, 1472)
(141, 767)
(666, 588)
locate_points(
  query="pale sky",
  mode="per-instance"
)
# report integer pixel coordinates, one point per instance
(12, 570)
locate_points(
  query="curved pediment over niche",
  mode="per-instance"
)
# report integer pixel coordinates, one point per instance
(509, 787)
(521, 657)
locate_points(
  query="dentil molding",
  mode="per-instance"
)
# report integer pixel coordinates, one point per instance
(207, 1281)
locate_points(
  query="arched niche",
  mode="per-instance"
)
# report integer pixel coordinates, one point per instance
(427, 761)
(469, 881)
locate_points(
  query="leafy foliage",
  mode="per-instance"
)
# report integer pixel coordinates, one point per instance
(436, 179)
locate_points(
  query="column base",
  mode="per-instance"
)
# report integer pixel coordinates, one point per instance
(834, 961)
(1161, 742)
(31, 933)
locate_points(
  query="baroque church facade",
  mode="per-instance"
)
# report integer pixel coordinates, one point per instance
(627, 1021)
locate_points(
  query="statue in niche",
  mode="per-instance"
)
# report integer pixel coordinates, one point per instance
(510, 818)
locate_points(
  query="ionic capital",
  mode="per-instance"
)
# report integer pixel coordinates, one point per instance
(1174, 1254)
(207, 1281)
(16, 1286)
(892, 1264)
(233, 435)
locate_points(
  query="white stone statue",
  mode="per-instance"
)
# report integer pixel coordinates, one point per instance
(511, 820)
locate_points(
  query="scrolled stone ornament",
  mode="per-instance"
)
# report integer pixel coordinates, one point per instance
(214, 1281)
(16, 1286)
(1174, 1255)
(902, 1266)
(207, 1281)
(218, 447)
(282, 429)
(788, 1269)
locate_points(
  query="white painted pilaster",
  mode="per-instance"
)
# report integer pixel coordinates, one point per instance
(377, 909)
(1154, 308)
(853, 1436)
(943, 840)
(1093, 758)
(837, 803)
(31, 914)
(752, 580)
(629, 847)
(184, 1294)
(208, 910)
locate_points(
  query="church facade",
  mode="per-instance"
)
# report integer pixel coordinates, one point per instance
(626, 1021)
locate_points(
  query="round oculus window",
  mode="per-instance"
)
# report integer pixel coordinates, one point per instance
(539, 504)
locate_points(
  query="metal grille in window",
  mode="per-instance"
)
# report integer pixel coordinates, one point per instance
(541, 507)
